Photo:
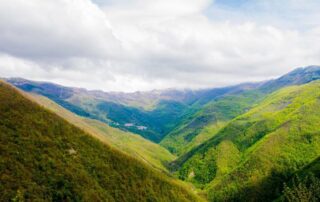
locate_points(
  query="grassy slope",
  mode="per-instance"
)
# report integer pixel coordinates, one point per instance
(262, 148)
(43, 157)
(204, 124)
(130, 143)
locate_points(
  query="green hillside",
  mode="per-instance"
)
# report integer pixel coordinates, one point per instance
(203, 124)
(43, 157)
(251, 157)
(210, 116)
(130, 143)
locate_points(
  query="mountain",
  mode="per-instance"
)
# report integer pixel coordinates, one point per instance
(172, 117)
(208, 119)
(132, 144)
(249, 142)
(177, 119)
(296, 77)
(45, 158)
(217, 112)
(251, 156)
(110, 107)
(157, 113)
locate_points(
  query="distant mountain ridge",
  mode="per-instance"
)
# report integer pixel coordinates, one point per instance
(167, 107)
(159, 113)
(298, 76)
(146, 100)
(140, 99)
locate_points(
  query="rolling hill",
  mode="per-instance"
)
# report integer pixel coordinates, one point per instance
(44, 157)
(251, 157)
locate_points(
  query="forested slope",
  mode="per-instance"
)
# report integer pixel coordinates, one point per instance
(132, 144)
(251, 157)
(43, 157)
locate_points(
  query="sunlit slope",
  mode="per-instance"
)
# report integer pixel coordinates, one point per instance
(202, 125)
(130, 143)
(206, 122)
(43, 157)
(254, 154)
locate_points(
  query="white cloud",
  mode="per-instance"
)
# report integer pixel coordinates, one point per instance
(55, 29)
(141, 44)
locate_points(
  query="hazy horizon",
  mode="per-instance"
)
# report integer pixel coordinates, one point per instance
(156, 89)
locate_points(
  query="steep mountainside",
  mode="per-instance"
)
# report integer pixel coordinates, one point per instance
(43, 157)
(130, 143)
(208, 120)
(251, 157)
(211, 117)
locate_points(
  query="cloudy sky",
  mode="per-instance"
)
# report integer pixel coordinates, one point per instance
(129, 45)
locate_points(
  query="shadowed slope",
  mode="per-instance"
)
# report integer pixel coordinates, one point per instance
(130, 143)
(43, 157)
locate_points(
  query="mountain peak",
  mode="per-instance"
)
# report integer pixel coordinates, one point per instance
(303, 70)
(312, 68)
(298, 76)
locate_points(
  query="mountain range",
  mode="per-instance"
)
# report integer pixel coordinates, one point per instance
(247, 142)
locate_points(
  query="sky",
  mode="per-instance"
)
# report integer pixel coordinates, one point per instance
(139, 45)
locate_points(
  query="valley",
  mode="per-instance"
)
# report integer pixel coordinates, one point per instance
(159, 101)
(235, 143)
